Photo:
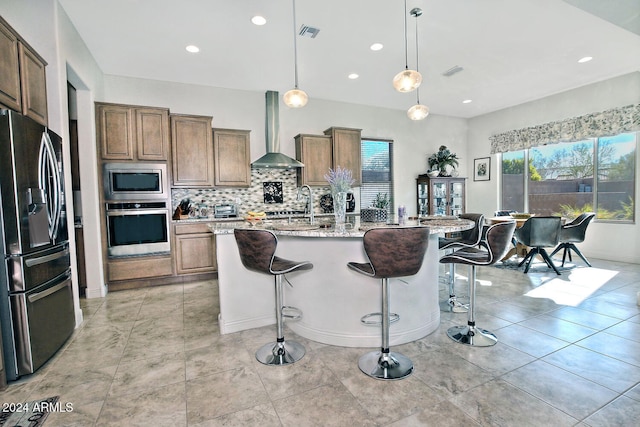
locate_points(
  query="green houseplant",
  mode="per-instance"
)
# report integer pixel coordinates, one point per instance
(442, 159)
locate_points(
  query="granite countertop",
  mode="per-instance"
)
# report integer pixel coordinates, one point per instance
(353, 229)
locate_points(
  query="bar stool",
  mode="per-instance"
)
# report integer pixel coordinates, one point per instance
(495, 246)
(257, 252)
(392, 252)
(468, 238)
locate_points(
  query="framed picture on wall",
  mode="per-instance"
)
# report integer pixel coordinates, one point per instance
(482, 169)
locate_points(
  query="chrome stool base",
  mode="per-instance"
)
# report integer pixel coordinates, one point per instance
(471, 335)
(385, 366)
(280, 353)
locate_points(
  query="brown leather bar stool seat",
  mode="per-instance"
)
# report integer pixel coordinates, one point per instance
(257, 252)
(392, 252)
(492, 249)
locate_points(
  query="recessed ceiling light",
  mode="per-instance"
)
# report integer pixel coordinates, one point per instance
(467, 101)
(192, 48)
(376, 46)
(258, 20)
(353, 76)
(585, 59)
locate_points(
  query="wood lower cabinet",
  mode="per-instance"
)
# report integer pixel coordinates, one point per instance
(192, 149)
(195, 248)
(22, 76)
(231, 150)
(347, 149)
(315, 151)
(139, 268)
(128, 132)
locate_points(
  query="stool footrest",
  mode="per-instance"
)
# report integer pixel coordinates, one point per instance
(393, 318)
(293, 313)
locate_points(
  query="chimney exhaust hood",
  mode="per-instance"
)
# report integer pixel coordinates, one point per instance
(273, 158)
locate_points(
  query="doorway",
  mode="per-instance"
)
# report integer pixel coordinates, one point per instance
(72, 102)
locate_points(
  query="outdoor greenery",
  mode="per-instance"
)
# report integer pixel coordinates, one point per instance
(571, 212)
(516, 166)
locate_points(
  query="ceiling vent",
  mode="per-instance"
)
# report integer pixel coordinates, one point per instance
(453, 70)
(307, 31)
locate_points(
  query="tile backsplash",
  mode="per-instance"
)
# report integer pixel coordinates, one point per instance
(253, 198)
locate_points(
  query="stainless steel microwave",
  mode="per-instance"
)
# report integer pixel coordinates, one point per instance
(134, 181)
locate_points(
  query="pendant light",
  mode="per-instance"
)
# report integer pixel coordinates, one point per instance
(295, 98)
(418, 111)
(406, 80)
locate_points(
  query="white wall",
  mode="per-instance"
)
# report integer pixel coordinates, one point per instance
(413, 141)
(604, 240)
(45, 26)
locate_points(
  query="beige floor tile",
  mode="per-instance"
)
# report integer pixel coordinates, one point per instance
(568, 392)
(224, 393)
(136, 376)
(158, 407)
(326, 406)
(497, 403)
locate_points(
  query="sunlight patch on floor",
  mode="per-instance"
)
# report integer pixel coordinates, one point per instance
(581, 285)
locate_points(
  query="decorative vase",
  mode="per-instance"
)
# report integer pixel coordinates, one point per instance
(340, 208)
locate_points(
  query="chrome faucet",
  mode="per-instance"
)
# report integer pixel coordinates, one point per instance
(310, 203)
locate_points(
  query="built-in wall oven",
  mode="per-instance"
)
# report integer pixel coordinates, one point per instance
(135, 181)
(137, 228)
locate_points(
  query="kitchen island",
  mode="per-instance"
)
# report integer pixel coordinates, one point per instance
(331, 296)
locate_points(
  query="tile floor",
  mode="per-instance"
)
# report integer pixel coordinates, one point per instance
(568, 354)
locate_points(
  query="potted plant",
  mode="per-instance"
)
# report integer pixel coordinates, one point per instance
(442, 159)
(377, 212)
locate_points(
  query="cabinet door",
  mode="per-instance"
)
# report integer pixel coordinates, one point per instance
(347, 150)
(195, 248)
(192, 149)
(9, 69)
(438, 197)
(315, 151)
(115, 132)
(232, 157)
(33, 85)
(152, 134)
(423, 197)
(456, 197)
(195, 253)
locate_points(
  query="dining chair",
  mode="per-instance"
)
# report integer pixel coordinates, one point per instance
(572, 233)
(537, 233)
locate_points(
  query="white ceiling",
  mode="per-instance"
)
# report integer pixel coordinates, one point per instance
(512, 51)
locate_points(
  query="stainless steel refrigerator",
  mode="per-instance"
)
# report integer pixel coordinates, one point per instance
(36, 300)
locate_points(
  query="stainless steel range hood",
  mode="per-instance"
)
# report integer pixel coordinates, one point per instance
(273, 158)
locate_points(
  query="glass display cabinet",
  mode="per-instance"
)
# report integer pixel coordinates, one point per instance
(440, 195)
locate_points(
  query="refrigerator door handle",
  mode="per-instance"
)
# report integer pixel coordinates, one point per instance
(43, 259)
(50, 182)
(52, 290)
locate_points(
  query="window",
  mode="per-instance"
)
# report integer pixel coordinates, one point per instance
(566, 179)
(377, 172)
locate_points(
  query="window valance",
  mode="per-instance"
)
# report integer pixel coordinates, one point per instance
(595, 125)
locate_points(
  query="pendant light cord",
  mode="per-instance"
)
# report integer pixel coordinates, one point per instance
(295, 47)
(406, 43)
(417, 58)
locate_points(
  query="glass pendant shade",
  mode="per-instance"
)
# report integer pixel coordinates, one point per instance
(418, 112)
(407, 81)
(295, 98)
